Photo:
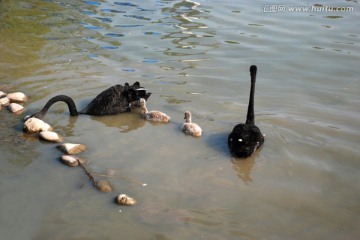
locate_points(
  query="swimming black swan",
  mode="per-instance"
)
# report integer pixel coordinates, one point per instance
(246, 137)
(114, 100)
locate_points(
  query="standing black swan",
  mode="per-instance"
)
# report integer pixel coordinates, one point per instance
(246, 137)
(114, 100)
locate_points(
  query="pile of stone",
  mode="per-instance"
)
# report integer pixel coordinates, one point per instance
(14, 102)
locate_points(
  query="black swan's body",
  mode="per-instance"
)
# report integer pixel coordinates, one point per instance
(114, 100)
(246, 137)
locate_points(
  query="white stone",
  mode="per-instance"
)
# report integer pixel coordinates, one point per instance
(2, 94)
(16, 108)
(4, 101)
(71, 148)
(17, 97)
(50, 136)
(69, 160)
(34, 125)
(123, 199)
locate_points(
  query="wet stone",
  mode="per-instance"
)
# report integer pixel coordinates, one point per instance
(34, 125)
(71, 148)
(16, 108)
(17, 97)
(4, 101)
(123, 199)
(103, 186)
(69, 160)
(50, 136)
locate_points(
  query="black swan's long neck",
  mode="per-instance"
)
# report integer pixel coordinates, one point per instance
(250, 113)
(59, 98)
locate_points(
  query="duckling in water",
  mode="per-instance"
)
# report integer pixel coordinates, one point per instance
(245, 138)
(155, 116)
(191, 128)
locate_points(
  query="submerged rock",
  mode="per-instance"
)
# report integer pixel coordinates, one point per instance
(103, 186)
(71, 148)
(34, 125)
(123, 199)
(4, 101)
(16, 108)
(17, 97)
(50, 136)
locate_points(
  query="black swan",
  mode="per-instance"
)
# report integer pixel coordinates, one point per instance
(246, 137)
(114, 100)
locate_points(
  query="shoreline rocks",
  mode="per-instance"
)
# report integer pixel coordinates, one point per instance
(71, 148)
(2, 94)
(11, 101)
(50, 136)
(17, 97)
(16, 108)
(70, 160)
(4, 101)
(42, 130)
(34, 125)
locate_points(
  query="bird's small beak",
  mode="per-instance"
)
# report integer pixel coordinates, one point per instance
(137, 103)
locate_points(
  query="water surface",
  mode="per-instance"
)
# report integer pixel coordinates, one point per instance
(304, 182)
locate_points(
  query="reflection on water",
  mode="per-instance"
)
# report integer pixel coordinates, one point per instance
(125, 122)
(192, 56)
(243, 168)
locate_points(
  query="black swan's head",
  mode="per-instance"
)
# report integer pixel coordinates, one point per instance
(134, 93)
(253, 70)
(244, 140)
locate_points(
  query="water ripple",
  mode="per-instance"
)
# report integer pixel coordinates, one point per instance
(137, 17)
(114, 35)
(129, 25)
(108, 10)
(93, 3)
(127, 4)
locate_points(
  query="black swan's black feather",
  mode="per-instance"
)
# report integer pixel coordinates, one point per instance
(114, 100)
(246, 137)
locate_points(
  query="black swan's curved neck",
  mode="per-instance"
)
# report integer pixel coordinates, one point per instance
(59, 98)
(250, 113)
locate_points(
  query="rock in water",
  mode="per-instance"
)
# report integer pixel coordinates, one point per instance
(50, 136)
(16, 108)
(2, 94)
(123, 199)
(34, 125)
(69, 160)
(71, 148)
(4, 101)
(17, 97)
(103, 186)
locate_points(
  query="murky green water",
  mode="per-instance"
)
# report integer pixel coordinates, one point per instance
(303, 184)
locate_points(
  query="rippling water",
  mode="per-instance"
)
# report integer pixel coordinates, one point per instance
(303, 184)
